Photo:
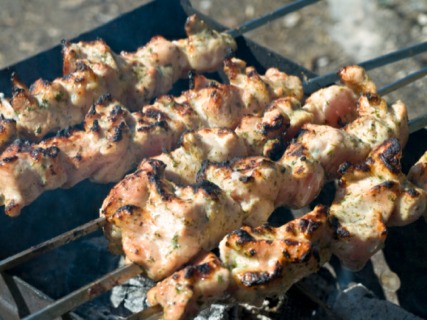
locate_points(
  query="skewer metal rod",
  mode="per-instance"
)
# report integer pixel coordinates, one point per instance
(86, 293)
(403, 81)
(50, 244)
(316, 83)
(394, 56)
(260, 21)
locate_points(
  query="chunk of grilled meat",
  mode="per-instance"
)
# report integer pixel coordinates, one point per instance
(371, 196)
(357, 79)
(260, 185)
(252, 182)
(133, 136)
(215, 144)
(92, 70)
(376, 122)
(266, 261)
(160, 222)
(191, 289)
(334, 106)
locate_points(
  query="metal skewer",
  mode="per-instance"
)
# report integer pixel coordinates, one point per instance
(50, 244)
(403, 81)
(316, 83)
(86, 293)
(260, 21)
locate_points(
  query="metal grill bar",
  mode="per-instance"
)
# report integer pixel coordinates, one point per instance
(258, 22)
(50, 244)
(403, 82)
(316, 83)
(86, 293)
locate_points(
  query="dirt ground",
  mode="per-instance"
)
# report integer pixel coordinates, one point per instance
(322, 37)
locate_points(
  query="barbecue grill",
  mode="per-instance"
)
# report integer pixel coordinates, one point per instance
(34, 284)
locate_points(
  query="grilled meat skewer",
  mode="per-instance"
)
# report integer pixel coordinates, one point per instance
(114, 140)
(91, 70)
(264, 261)
(113, 135)
(257, 184)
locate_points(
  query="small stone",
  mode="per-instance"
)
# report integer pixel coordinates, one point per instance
(322, 62)
(70, 4)
(422, 19)
(249, 11)
(291, 20)
(205, 5)
(53, 32)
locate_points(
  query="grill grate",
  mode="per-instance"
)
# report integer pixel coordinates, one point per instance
(254, 54)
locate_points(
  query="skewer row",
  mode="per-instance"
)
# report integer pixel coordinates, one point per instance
(61, 307)
(131, 270)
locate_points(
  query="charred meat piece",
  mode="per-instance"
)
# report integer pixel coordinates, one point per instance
(189, 290)
(371, 196)
(160, 222)
(266, 261)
